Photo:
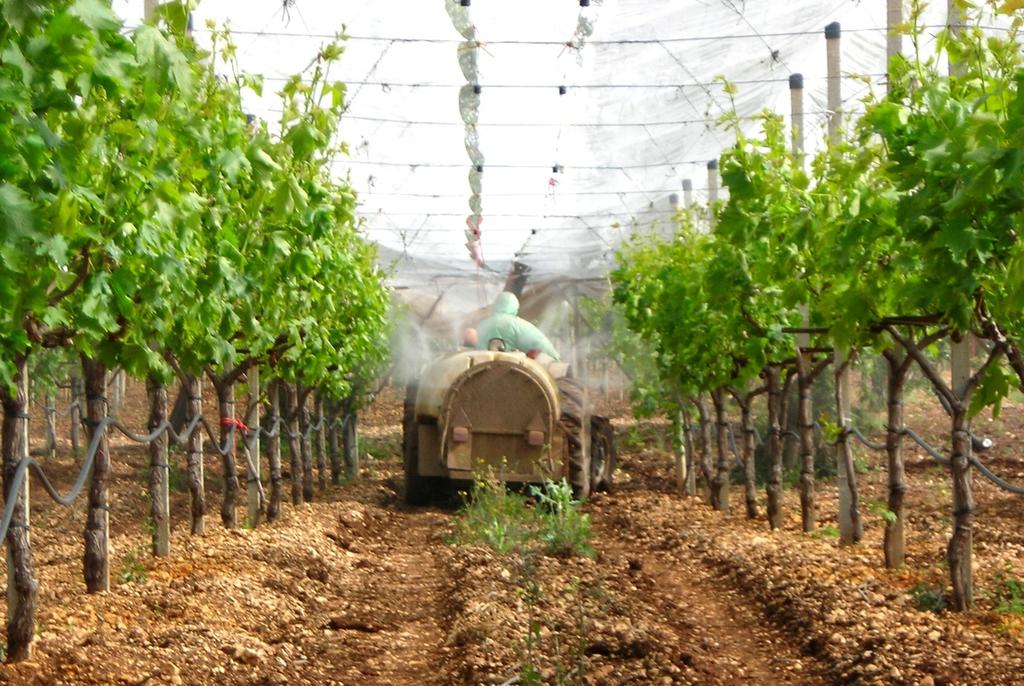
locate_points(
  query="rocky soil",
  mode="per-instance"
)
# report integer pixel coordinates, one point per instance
(356, 588)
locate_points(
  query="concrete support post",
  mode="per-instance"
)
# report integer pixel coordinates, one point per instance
(712, 192)
(847, 533)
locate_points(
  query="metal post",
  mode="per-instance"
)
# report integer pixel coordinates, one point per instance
(687, 194)
(252, 483)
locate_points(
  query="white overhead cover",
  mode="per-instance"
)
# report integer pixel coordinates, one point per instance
(636, 119)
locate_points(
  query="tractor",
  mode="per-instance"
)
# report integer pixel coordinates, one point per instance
(524, 419)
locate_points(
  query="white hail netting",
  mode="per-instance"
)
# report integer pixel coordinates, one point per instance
(637, 117)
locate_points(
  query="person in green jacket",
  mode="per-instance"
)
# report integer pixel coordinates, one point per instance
(515, 332)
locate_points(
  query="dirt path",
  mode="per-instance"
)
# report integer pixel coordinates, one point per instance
(355, 588)
(391, 623)
(719, 634)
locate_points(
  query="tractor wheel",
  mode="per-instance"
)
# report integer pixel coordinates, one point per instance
(575, 424)
(602, 454)
(418, 489)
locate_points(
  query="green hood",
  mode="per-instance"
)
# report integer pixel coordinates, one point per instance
(507, 303)
(518, 334)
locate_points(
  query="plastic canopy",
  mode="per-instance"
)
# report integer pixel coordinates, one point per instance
(543, 131)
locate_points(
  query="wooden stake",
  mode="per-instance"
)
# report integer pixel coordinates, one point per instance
(805, 420)
(274, 449)
(96, 561)
(334, 419)
(688, 449)
(320, 442)
(159, 491)
(229, 437)
(720, 482)
(302, 393)
(350, 442)
(77, 395)
(252, 483)
(961, 543)
(749, 468)
(290, 410)
(194, 455)
(705, 448)
(894, 542)
(850, 529)
(775, 447)
(679, 448)
(22, 587)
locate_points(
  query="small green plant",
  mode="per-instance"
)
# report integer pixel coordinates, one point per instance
(826, 532)
(148, 525)
(1003, 629)
(384, 448)
(861, 465)
(928, 598)
(507, 522)
(492, 516)
(529, 675)
(632, 439)
(177, 480)
(569, 659)
(577, 652)
(830, 431)
(881, 509)
(1008, 594)
(790, 477)
(133, 570)
(565, 530)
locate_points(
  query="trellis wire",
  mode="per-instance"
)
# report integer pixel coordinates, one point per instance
(856, 433)
(100, 427)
